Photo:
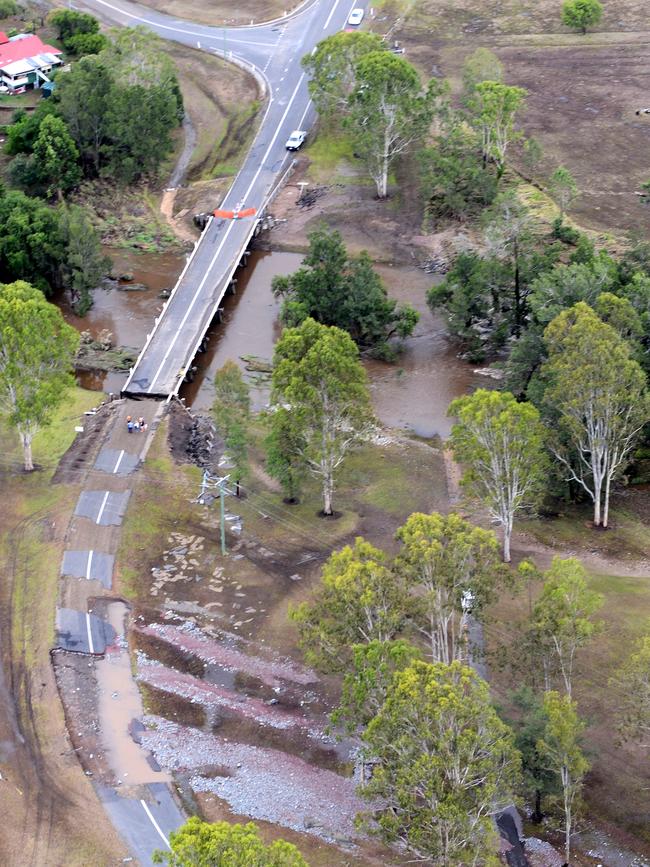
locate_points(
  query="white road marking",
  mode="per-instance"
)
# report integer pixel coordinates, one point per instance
(119, 461)
(226, 234)
(155, 24)
(155, 824)
(90, 635)
(102, 507)
(90, 560)
(329, 17)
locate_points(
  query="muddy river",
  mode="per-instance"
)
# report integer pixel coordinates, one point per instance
(412, 394)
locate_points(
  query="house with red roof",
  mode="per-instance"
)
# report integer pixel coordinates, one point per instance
(25, 62)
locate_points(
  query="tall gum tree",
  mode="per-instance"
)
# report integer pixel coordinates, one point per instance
(37, 348)
(562, 618)
(443, 764)
(389, 112)
(562, 754)
(360, 600)
(501, 444)
(332, 69)
(317, 375)
(493, 109)
(452, 568)
(598, 394)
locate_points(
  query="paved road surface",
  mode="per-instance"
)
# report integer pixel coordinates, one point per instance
(275, 50)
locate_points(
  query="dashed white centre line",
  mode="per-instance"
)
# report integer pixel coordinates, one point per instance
(102, 507)
(119, 461)
(155, 824)
(90, 560)
(91, 646)
(226, 234)
(329, 17)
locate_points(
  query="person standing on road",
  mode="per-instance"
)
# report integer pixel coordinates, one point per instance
(129, 425)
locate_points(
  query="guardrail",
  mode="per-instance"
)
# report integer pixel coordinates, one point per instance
(158, 318)
(215, 308)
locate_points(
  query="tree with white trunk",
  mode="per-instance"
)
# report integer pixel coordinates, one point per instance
(596, 401)
(562, 619)
(453, 572)
(501, 445)
(443, 765)
(493, 109)
(37, 349)
(318, 378)
(561, 752)
(389, 112)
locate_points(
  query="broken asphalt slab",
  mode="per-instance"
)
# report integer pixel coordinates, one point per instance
(144, 823)
(116, 461)
(82, 632)
(102, 507)
(92, 565)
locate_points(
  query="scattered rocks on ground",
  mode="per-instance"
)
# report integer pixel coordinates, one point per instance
(189, 638)
(261, 783)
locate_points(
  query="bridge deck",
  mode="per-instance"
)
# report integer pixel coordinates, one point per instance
(186, 317)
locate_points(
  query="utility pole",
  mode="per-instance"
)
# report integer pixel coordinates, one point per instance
(209, 483)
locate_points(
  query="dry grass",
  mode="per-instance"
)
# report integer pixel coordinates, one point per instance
(583, 91)
(219, 12)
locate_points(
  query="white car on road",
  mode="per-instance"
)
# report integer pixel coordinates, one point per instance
(356, 17)
(296, 139)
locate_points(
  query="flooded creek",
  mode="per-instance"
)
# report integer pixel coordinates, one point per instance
(413, 394)
(127, 314)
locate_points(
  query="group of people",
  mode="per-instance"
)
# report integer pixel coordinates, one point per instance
(137, 425)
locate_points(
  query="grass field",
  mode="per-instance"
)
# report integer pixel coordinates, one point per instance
(617, 786)
(583, 91)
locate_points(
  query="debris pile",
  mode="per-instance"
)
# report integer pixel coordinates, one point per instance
(435, 265)
(309, 196)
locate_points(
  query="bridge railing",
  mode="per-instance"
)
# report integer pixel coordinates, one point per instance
(158, 319)
(215, 308)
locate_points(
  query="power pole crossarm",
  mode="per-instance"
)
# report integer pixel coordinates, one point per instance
(218, 484)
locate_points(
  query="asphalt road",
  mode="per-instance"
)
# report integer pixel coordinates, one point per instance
(275, 51)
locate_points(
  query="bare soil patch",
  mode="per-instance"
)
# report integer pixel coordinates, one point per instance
(219, 12)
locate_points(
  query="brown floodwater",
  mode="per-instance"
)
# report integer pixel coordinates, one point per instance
(120, 703)
(412, 394)
(128, 315)
(250, 327)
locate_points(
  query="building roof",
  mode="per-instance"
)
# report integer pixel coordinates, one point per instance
(22, 49)
(29, 64)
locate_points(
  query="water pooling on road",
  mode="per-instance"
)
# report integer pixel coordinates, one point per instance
(412, 394)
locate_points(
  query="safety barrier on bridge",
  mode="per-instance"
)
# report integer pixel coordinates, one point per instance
(129, 389)
(215, 308)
